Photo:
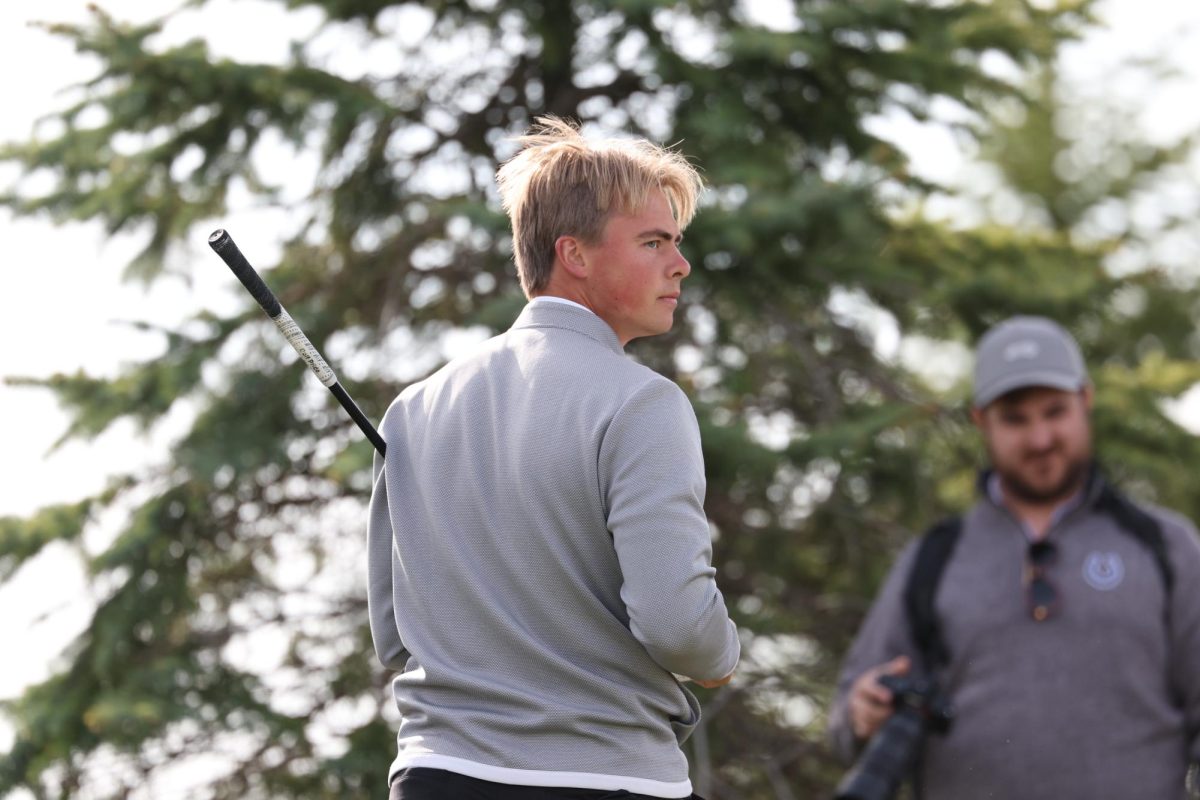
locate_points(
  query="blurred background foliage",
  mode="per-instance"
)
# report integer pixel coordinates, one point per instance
(823, 337)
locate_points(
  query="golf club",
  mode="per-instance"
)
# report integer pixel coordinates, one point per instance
(221, 243)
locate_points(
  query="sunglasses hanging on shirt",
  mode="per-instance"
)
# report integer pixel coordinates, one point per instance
(1041, 595)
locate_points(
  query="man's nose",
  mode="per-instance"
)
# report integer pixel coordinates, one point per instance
(681, 268)
(1041, 435)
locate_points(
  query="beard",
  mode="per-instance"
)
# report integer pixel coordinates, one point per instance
(1022, 489)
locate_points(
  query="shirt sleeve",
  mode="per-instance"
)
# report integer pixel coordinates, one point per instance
(652, 484)
(1184, 552)
(380, 603)
(884, 635)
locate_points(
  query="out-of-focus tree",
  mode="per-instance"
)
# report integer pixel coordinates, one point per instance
(825, 451)
(1080, 169)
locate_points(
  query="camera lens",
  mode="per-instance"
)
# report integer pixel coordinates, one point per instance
(887, 759)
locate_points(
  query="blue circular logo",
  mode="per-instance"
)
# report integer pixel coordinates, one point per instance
(1103, 571)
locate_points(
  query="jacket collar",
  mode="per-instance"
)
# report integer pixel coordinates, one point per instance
(571, 318)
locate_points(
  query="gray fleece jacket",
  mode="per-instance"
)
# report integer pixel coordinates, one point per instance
(1101, 701)
(540, 564)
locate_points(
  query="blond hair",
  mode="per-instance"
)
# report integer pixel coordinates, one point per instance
(560, 184)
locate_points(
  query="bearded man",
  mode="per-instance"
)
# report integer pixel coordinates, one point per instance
(1057, 617)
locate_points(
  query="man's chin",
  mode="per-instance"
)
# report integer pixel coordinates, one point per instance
(1044, 489)
(1043, 494)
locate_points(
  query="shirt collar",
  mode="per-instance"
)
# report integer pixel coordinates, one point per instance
(989, 483)
(546, 312)
(549, 298)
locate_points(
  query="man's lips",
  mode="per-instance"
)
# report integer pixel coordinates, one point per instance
(1042, 465)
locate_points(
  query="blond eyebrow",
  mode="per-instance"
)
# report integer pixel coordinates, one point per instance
(659, 233)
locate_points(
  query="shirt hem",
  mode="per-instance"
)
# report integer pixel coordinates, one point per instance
(542, 778)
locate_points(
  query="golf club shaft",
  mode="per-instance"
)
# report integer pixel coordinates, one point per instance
(221, 242)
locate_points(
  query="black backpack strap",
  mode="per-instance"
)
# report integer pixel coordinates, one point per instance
(1143, 527)
(933, 553)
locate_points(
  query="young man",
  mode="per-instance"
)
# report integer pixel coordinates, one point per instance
(539, 554)
(1069, 616)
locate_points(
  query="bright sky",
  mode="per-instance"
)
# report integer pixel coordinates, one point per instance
(61, 299)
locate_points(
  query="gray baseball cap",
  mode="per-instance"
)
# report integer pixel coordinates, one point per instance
(1026, 351)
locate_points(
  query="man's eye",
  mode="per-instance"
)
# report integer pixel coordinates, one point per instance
(653, 244)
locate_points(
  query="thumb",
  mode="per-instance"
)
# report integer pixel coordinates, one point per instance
(899, 665)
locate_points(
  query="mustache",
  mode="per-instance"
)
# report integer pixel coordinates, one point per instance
(1050, 450)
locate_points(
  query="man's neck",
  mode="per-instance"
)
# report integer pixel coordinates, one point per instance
(1037, 516)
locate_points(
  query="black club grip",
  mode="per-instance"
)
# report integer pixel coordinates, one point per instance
(222, 243)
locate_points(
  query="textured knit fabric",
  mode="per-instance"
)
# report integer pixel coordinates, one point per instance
(540, 564)
(1101, 701)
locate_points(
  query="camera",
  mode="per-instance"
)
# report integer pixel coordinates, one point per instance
(893, 750)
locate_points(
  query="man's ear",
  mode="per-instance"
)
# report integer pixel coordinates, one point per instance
(1089, 395)
(568, 251)
(977, 417)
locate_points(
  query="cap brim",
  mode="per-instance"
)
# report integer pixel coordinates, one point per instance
(1028, 380)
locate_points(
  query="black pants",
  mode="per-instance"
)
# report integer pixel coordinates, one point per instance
(421, 783)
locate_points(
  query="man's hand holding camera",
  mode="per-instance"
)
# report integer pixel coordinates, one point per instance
(871, 703)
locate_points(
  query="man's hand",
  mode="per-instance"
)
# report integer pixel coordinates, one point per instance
(713, 684)
(870, 704)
